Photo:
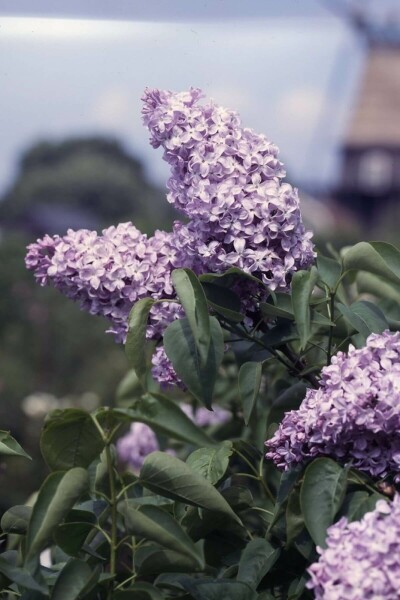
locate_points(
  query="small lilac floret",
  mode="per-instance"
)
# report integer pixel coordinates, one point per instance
(361, 559)
(227, 180)
(354, 417)
(204, 417)
(134, 446)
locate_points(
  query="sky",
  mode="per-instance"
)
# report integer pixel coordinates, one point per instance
(291, 68)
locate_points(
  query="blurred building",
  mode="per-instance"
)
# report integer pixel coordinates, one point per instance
(370, 171)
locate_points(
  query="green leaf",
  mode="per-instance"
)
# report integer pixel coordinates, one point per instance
(297, 587)
(303, 283)
(219, 590)
(361, 503)
(281, 307)
(365, 317)
(249, 385)
(270, 310)
(294, 517)
(166, 417)
(372, 284)
(139, 591)
(230, 277)
(223, 301)
(155, 524)
(193, 300)
(371, 314)
(136, 338)
(10, 447)
(16, 519)
(211, 463)
(71, 536)
(57, 496)
(72, 580)
(70, 439)
(20, 576)
(256, 560)
(289, 399)
(280, 335)
(287, 482)
(321, 495)
(153, 560)
(181, 349)
(379, 258)
(329, 271)
(129, 387)
(351, 504)
(172, 478)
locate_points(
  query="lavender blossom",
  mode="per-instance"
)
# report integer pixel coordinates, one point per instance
(162, 369)
(362, 558)
(226, 179)
(108, 273)
(134, 446)
(354, 417)
(204, 417)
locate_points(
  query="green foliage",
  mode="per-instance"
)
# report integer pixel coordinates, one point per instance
(157, 525)
(170, 477)
(197, 374)
(211, 463)
(210, 519)
(164, 416)
(321, 496)
(193, 300)
(57, 496)
(10, 447)
(70, 439)
(249, 386)
(136, 338)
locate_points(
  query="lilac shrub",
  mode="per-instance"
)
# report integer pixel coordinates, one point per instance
(353, 417)
(362, 558)
(227, 180)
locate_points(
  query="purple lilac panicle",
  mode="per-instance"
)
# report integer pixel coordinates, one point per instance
(108, 273)
(362, 558)
(354, 417)
(227, 179)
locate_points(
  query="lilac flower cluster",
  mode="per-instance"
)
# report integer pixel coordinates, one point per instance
(362, 558)
(134, 446)
(108, 273)
(354, 417)
(226, 179)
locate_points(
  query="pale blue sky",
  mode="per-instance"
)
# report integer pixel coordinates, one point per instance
(291, 73)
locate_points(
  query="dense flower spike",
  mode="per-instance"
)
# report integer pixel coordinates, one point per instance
(354, 417)
(362, 558)
(226, 179)
(134, 446)
(108, 273)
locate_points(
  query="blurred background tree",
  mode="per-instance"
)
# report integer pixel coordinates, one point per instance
(81, 182)
(51, 352)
